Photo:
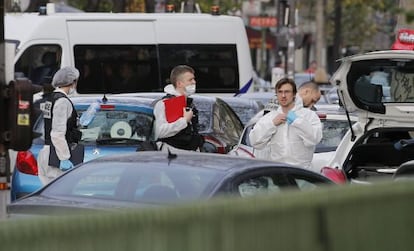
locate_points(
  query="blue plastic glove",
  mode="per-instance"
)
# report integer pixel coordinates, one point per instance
(65, 164)
(291, 116)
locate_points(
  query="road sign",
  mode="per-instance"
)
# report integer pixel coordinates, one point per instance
(263, 22)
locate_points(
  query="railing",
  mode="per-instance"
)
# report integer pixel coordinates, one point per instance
(374, 217)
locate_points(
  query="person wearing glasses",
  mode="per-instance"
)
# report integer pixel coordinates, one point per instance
(290, 133)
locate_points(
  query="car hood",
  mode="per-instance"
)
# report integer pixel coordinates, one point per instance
(378, 85)
(40, 205)
(93, 152)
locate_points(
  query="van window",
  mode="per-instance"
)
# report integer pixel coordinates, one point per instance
(215, 65)
(39, 63)
(145, 68)
(117, 68)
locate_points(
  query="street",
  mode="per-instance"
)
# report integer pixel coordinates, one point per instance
(4, 199)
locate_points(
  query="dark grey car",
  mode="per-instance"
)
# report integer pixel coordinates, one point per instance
(145, 179)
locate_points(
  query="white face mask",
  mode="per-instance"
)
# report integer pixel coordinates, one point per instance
(190, 89)
(72, 90)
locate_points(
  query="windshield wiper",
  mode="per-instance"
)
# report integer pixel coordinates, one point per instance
(118, 141)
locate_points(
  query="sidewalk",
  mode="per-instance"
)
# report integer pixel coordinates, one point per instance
(4, 200)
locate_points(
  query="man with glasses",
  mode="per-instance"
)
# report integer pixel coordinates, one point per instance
(290, 133)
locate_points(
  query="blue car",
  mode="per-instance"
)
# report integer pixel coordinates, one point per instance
(121, 125)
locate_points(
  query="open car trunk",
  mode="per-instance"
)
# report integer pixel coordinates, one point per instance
(379, 153)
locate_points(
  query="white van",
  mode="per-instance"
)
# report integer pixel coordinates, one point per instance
(132, 52)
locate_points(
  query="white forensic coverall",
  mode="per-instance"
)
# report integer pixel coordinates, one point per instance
(62, 110)
(162, 128)
(293, 144)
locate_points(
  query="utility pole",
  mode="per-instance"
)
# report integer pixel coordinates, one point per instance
(337, 35)
(320, 34)
(290, 23)
(4, 163)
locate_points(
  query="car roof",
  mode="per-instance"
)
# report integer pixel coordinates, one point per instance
(214, 161)
(111, 99)
(334, 112)
(159, 95)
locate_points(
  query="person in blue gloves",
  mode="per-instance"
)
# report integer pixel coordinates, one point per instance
(290, 133)
(61, 126)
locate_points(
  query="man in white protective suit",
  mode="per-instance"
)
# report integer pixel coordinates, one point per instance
(290, 133)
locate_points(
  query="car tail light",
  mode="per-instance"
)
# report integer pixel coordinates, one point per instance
(26, 163)
(334, 174)
(250, 154)
(321, 115)
(213, 145)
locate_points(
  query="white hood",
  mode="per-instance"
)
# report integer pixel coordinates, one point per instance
(170, 89)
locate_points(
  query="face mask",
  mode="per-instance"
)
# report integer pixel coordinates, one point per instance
(72, 90)
(190, 89)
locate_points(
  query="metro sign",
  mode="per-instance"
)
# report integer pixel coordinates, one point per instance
(263, 21)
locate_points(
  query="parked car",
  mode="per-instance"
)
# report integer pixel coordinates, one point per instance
(145, 179)
(121, 125)
(335, 125)
(302, 77)
(219, 124)
(261, 97)
(244, 108)
(385, 111)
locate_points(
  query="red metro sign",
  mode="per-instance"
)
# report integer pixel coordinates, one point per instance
(263, 22)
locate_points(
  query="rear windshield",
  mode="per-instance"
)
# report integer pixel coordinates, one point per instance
(382, 81)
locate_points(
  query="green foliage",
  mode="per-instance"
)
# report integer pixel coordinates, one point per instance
(205, 5)
(410, 16)
(362, 20)
(104, 5)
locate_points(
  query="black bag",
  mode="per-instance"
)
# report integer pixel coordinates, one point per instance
(77, 153)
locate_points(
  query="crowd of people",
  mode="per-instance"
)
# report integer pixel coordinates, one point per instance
(288, 134)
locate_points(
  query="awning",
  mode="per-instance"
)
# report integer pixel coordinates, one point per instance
(255, 38)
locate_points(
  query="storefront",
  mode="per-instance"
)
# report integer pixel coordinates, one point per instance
(404, 40)
(257, 44)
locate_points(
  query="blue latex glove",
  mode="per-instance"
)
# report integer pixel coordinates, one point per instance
(291, 116)
(65, 164)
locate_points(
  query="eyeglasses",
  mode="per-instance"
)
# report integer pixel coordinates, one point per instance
(284, 92)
